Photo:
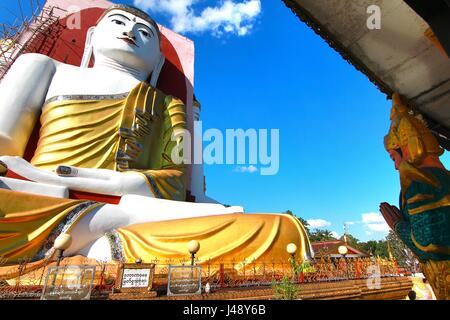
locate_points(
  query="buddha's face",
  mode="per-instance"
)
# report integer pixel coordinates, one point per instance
(128, 40)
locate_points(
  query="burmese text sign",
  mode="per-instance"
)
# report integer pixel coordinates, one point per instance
(68, 283)
(184, 280)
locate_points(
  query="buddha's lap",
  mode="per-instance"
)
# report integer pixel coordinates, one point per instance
(222, 237)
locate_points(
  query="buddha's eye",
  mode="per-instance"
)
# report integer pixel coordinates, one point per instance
(145, 33)
(120, 23)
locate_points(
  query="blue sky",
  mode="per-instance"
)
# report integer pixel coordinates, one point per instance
(332, 121)
(272, 71)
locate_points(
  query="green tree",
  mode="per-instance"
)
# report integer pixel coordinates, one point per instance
(403, 255)
(319, 235)
(382, 249)
(285, 290)
(352, 241)
(377, 248)
(369, 246)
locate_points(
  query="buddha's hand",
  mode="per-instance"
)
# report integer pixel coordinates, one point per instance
(101, 181)
(391, 214)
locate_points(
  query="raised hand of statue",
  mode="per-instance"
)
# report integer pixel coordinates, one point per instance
(101, 181)
(390, 213)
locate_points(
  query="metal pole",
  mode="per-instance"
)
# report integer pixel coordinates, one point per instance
(59, 258)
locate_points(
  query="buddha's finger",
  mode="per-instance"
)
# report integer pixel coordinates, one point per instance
(70, 171)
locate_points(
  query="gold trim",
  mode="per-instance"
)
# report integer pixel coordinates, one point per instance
(3, 169)
(85, 212)
(438, 274)
(150, 187)
(431, 248)
(419, 197)
(445, 201)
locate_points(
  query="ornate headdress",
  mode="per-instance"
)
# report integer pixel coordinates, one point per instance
(399, 105)
(391, 141)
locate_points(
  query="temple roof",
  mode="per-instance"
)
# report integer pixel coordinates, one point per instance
(330, 248)
(403, 56)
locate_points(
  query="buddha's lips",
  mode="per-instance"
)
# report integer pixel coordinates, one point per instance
(129, 41)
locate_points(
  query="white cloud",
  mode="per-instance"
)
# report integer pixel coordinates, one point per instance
(374, 222)
(335, 234)
(249, 169)
(379, 227)
(318, 223)
(372, 217)
(228, 17)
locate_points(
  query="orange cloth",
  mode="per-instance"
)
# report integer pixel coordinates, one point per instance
(239, 236)
(30, 223)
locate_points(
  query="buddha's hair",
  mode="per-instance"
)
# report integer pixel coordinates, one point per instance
(135, 11)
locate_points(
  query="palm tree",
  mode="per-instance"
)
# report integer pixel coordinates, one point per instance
(321, 235)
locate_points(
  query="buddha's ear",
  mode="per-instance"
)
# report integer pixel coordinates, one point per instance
(157, 71)
(87, 48)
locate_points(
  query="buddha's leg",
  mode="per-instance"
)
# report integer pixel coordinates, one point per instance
(134, 210)
(94, 225)
(223, 237)
(99, 250)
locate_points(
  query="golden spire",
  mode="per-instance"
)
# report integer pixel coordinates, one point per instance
(345, 232)
(391, 257)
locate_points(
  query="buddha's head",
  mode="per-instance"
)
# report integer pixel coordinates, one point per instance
(128, 36)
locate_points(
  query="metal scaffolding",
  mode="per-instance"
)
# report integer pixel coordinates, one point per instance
(35, 32)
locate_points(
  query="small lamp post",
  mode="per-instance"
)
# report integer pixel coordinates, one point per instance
(193, 247)
(343, 250)
(291, 248)
(61, 244)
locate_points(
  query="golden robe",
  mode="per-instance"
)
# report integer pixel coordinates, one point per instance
(131, 132)
(120, 132)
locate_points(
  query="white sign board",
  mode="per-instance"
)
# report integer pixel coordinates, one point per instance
(68, 283)
(135, 278)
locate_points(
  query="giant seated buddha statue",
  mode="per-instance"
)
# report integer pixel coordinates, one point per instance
(108, 130)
